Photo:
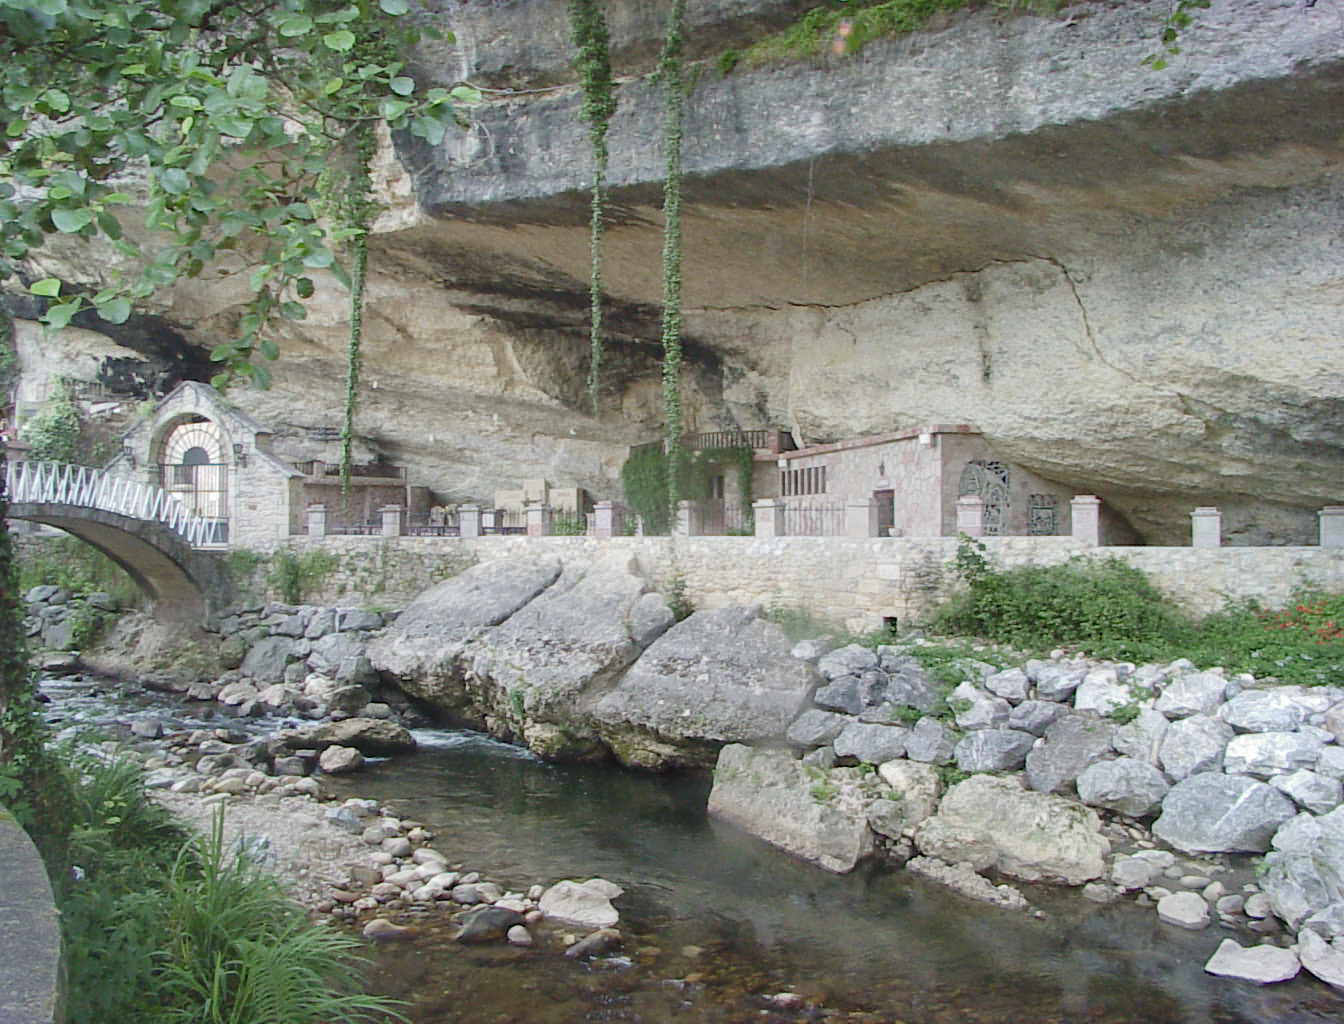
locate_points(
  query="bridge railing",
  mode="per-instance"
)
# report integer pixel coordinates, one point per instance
(86, 487)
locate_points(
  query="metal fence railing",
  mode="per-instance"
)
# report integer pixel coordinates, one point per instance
(85, 487)
(814, 520)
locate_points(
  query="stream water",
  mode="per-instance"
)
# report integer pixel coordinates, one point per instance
(716, 921)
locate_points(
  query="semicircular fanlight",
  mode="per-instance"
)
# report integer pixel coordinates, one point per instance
(194, 444)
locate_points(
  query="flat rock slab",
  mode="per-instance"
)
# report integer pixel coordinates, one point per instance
(373, 736)
(423, 647)
(1263, 965)
(820, 816)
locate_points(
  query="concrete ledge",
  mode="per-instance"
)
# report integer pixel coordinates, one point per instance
(31, 972)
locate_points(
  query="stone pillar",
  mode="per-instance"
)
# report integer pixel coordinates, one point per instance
(683, 524)
(769, 516)
(861, 518)
(604, 525)
(971, 515)
(538, 520)
(1332, 526)
(468, 521)
(1085, 513)
(1206, 528)
(394, 520)
(317, 520)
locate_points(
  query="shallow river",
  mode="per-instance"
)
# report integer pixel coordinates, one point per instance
(716, 921)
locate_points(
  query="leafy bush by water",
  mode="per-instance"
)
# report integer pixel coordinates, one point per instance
(160, 928)
(75, 566)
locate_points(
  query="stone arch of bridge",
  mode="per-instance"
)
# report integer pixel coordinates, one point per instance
(184, 584)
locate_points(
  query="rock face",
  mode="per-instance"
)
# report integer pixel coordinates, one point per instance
(994, 823)
(722, 676)
(769, 794)
(553, 656)
(422, 650)
(1039, 245)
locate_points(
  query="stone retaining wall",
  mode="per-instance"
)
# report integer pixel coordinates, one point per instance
(31, 972)
(860, 581)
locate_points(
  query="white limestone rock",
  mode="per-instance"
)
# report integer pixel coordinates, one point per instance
(1311, 791)
(1194, 745)
(818, 815)
(1265, 754)
(1321, 959)
(1102, 692)
(1199, 693)
(1262, 964)
(1215, 813)
(994, 823)
(1184, 910)
(1131, 787)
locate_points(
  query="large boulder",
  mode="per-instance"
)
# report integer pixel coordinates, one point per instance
(1070, 745)
(1265, 711)
(1194, 745)
(994, 823)
(1304, 872)
(1215, 813)
(722, 676)
(334, 650)
(871, 743)
(816, 728)
(1199, 693)
(423, 649)
(266, 660)
(820, 816)
(930, 742)
(1132, 787)
(993, 750)
(1142, 738)
(551, 660)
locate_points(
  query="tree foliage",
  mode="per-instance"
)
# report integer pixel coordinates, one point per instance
(196, 133)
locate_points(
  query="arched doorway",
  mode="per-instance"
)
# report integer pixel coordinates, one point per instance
(193, 469)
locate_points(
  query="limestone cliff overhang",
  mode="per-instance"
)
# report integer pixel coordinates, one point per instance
(992, 138)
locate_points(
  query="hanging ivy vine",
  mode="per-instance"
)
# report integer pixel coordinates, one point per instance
(674, 102)
(588, 25)
(350, 193)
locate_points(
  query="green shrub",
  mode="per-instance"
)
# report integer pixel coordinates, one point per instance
(53, 434)
(569, 524)
(677, 599)
(295, 576)
(74, 565)
(800, 623)
(644, 483)
(160, 928)
(1109, 609)
(1086, 603)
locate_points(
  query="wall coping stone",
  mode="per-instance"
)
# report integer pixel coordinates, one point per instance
(32, 974)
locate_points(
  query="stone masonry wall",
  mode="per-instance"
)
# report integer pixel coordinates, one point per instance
(857, 581)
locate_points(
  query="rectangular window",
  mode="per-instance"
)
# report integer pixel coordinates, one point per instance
(795, 482)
